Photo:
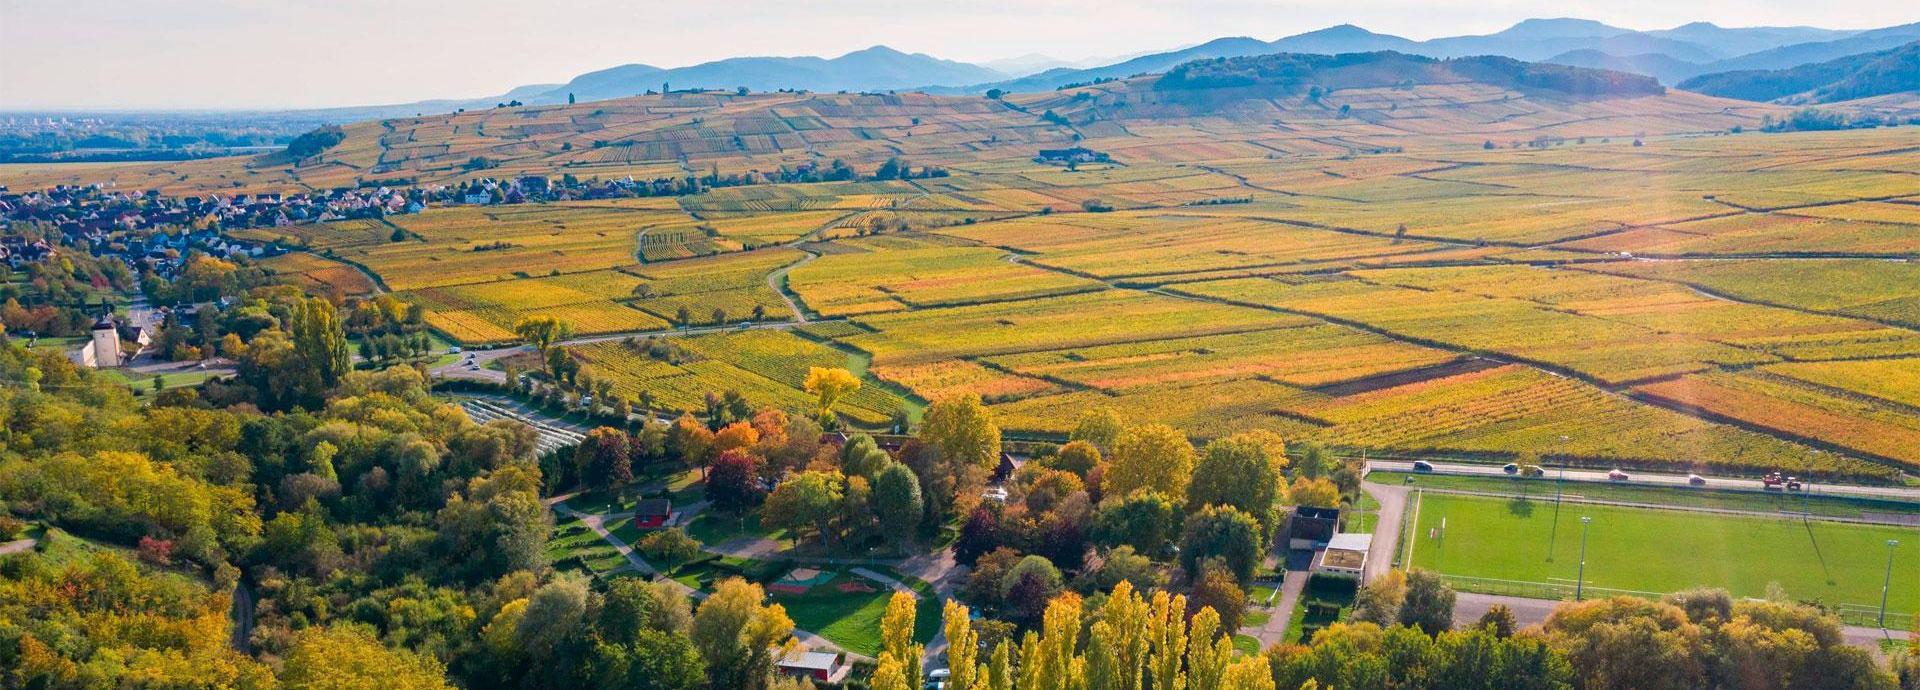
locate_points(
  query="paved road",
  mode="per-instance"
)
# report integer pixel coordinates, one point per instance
(1386, 529)
(1656, 478)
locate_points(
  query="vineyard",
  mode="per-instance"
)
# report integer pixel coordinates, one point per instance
(1454, 268)
(768, 367)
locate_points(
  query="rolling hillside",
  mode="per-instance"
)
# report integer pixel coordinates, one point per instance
(1390, 101)
(1856, 76)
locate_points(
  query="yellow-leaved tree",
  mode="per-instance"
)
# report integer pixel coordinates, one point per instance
(828, 385)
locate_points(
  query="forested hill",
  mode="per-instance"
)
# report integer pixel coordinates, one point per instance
(1855, 76)
(1300, 71)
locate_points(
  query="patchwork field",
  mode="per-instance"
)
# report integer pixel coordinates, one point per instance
(1448, 268)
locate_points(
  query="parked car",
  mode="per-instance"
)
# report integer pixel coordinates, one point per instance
(1615, 475)
(1422, 466)
(1696, 480)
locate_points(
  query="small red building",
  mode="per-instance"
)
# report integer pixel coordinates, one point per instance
(652, 512)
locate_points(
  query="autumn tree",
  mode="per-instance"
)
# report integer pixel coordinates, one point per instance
(732, 483)
(740, 636)
(828, 385)
(1153, 456)
(1313, 492)
(1078, 457)
(320, 348)
(341, 658)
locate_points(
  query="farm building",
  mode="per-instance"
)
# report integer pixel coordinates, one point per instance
(1312, 527)
(652, 512)
(820, 666)
(1346, 554)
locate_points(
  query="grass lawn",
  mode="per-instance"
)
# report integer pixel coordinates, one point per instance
(1247, 645)
(1337, 596)
(1696, 497)
(1262, 595)
(601, 502)
(1361, 523)
(1662, 551)
(572, 538)
(1255, 617)
(711, 527)
(1366, 501)
(852, 620)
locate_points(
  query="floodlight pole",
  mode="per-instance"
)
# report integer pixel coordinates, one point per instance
(1554, 535)
(1580, 584)
(1884, 584)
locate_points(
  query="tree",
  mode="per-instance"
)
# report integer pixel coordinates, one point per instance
(896, 501)
(979, 535)
(1429, 602)
(963, 647)
(342, 658)
(1152, 457)
(733, 483)
(671, 546)
(1027, 588)
(1378, 602)
(604, 458)
(541, 331)
(735, 436)
(654, 660)
(828, 385)
(962, 431)
(1314, 492)
(1078, 457)
(1237, 471)
(1498, 620)
(1100, 426)
(1147, 521)
(896, 634)
(806, 500)
(1217, 590)
(739, 636)
(320, 346)
(1225, 533)
(862, 457)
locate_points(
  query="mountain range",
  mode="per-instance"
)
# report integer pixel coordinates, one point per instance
(1670, 55)
(1854, 76)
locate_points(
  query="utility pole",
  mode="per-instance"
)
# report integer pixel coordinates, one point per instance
(1884, 584)
(1554, 535)
(1580, 585)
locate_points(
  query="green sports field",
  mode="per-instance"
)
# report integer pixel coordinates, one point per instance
(1661, 551)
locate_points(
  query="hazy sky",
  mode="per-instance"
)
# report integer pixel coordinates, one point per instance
(316, 53)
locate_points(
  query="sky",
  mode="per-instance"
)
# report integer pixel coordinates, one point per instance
(227, 54)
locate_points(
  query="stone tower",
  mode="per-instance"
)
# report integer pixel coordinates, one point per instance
(106, 342)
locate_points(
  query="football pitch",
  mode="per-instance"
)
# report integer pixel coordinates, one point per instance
(1648, 550)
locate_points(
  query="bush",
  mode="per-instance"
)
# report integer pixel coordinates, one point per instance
(10, 528)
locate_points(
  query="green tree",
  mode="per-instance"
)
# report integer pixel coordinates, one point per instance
(1078, 457)
(1225, 533)
(862, 457)
(541, 331)
(806, 500)
(1429, 602)
(1237, 471)
(320, 347)
(1100, 426)
(671, 547)
(897, 502)
(1147, 521)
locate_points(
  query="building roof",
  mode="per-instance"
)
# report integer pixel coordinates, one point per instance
(1317, 512)
(653, 506)
(1351, 542)
(823, 661)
